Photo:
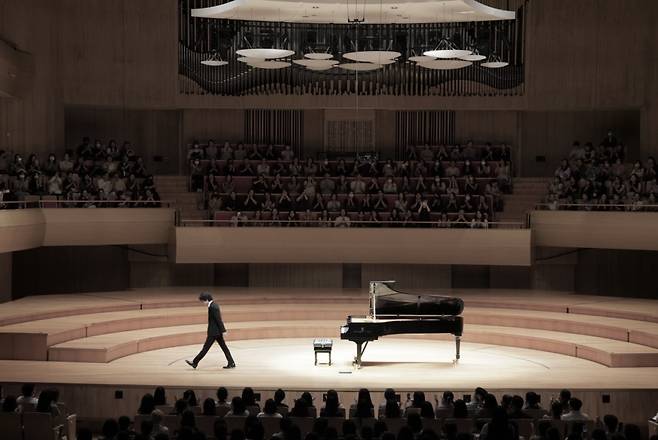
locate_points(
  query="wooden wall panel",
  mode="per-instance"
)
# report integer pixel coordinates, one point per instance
(296, 275)
(316, 245)
(491, 126)
(106, 226)
(70, 269)
(121, 53)
(21, 229)
(407, 276)
(34, 122)
(551, 134)
(313, 133)
(601, 230)
(218, 124)
(587, 54)
(6, 259)
(151, 132)
(616, 273)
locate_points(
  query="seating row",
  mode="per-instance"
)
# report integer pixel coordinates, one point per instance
(271, 425)
(245, 183)
(35, 426)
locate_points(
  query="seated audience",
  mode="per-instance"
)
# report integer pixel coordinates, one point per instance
(574, 412)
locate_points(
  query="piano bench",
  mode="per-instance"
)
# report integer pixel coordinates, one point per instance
(322, 345)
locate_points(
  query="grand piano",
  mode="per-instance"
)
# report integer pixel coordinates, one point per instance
(392, 312)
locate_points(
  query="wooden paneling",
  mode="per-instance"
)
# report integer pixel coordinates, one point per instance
(151, 132)
(35, 121)
(318, 245)
(551, 134)
(296, 275)
(70, 269)
(21, 229)
(587, 54)
(120, 53)
(313, 133)
(601, 230)
(617, 272)
(218, 124)
(5, 276)
(492, 126)
(106, 226)
(417, 276)
(18, 71)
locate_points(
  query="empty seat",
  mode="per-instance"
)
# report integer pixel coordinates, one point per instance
(11, 426)
(41, 426)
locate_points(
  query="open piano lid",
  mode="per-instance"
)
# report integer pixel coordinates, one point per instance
(387, 301)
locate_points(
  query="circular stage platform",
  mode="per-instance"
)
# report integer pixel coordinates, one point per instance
(94, 345)
(511, 338)
(268, 364)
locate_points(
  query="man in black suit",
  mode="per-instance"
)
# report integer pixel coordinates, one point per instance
(216, 332)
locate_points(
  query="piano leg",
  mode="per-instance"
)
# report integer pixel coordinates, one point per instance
(360, 348)
(457, 341)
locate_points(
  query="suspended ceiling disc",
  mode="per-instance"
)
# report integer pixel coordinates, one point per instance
(495, 64)
(447, 54)
(445, 64)
(420, 58)
(315, 63)
(270, 65)
(250, 60)
(473, 58)
(360, 67)
(372, 56)
(265, 53)
(319, 68)
(318, 56)
(214, 63)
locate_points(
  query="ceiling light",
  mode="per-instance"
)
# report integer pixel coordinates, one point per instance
(318, 56)
(446, 49)
(360, 67)
(372, 56)
(249, 60)
(270, 65)
(421, 58)
(264, 53)
(315, 63)
(494, 62)
(215, 60)
(473, 57)
(318, 68)
(445, 64)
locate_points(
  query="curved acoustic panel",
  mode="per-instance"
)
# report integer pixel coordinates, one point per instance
(370, 11)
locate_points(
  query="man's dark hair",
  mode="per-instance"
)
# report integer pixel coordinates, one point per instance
(27, 389)
(279, 395)
(84, 434)
(222, 394)
(124, 423)
(575, 404)
(205, 296)
(611, 422)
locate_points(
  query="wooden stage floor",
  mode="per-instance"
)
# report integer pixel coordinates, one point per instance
(513, 339)
(268, 364)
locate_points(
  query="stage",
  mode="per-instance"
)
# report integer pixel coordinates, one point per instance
(93, 345)
(407, 363)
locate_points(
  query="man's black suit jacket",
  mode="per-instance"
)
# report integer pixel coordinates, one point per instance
(215, 323)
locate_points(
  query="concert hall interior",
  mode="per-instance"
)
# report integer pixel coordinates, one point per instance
(327, 220)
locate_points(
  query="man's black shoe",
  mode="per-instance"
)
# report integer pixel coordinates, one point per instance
(231, 365)
(190, 363)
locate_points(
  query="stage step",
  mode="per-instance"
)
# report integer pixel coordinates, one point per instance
(30, 340)
(105, 348)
